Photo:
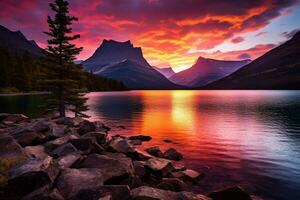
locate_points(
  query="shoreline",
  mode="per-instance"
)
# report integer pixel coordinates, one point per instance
(23, 94)
(70, 158)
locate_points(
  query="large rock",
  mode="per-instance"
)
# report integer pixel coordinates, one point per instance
(72, 181)
(114, 169)
(58, 130)
(155, 151)
(41, 126)
(53, 144)
(44, 193)
(188, 175)
(172, 154)
(235, 192)
(68, 161)
(173, 184)
(106, 192)
(99, 137)
(29, 138)
(141, 137)
(140, 170)
(139, 155)
(70, 122)
(85, 127)
(86, 145)
(10, 149)
(149, 193)
(31, 175)
(63, 150)
(121, 145)
(159, 166)
(13, 118)
(36, 151)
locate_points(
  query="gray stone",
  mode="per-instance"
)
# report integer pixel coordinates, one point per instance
(173, 184)
(188, 175)
(155, 151)
(159, 166)
(140, 169)
(149, 193)
(44, 193)
(121, 145)
(172, 154)
(99, 137)
(63, 150)
(85, 127)
(68, 161)
(13, 118)
(36, 151)
(31, 175)
(114, 169)
(10, 149)
(73, 181)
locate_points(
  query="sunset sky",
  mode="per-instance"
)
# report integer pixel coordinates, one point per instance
(170, 32)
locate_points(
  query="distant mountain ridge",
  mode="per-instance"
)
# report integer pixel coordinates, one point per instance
(17, 42)
(166, 71)
(277, 69)
(206, 70)
(124, 62)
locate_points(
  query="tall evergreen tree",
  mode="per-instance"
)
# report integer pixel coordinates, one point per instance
(62, 75)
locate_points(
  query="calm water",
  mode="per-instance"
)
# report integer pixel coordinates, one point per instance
(250, 138)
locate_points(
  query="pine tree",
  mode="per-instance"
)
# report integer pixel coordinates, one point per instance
(62, 75)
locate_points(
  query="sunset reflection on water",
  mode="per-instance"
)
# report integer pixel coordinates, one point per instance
(234, 137)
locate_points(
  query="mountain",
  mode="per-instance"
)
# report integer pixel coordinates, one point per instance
(206, 70)
(17, 42)
(166, 71)
(123, 62)
(277, 69)
(111, 51)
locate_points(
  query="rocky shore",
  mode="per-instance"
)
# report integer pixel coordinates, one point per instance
(72, 158)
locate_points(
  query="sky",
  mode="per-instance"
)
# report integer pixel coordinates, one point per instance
(171, 32)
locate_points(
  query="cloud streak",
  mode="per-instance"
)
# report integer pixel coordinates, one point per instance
(167, 30)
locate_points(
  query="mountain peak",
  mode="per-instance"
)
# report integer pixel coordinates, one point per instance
(111, 51)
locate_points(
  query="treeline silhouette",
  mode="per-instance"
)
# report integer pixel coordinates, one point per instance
(22, 72)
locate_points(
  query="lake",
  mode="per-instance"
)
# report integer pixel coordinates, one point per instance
(249, 138)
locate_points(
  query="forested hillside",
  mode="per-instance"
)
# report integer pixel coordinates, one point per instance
(20, 71)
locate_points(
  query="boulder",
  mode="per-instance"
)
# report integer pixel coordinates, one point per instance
(135, 142)
(44, 192)
(133, 181)
(154, 151)
(53, 144)
(139, 155)
(149, 193)
(141, 137)
(41, 126)
(234, 192)
(63, 150)
(99, 137)
(31, 175)
(86, 145)
(173, 184)
(72, 181)
(120, 145)
(68, 161)
(159, 166)
(85, 127)
(10, 149)
(178, 167)
(188, 175)
(58, 130)
(114, 169)
(36, 151)
(29, 138)
(172, 154)
(114, 192)
(13, 118)
(167, 141)
(140, 169)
